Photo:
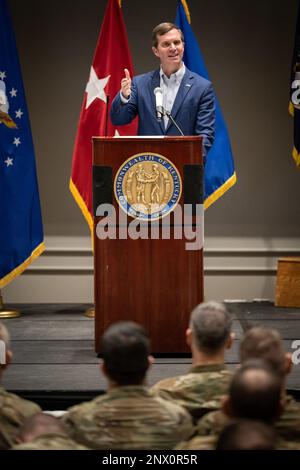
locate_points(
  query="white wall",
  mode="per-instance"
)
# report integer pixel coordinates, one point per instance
(234, 268)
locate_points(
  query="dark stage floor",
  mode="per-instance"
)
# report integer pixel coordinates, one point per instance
(54, 350)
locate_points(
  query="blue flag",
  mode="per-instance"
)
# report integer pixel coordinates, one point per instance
(219, 168)
(21, 231)
(294, 107)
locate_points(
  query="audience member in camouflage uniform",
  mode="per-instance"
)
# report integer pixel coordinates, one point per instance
(13, 409)
(266, 344)
(128, 416)
(44, 432)
(254, 394)
(208, 336)
(247, 435)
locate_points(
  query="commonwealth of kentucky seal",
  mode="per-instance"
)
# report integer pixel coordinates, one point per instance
(147, 186)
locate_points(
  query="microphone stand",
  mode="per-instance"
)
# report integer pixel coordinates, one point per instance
(163, 113)
(174, 122)
(106, 116)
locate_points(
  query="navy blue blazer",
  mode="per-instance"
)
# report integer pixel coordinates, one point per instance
(193, 108)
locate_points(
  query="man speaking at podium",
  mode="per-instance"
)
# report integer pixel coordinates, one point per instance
(171, 100)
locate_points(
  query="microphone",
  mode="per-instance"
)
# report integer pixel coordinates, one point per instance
(158, 103)
(160, 111)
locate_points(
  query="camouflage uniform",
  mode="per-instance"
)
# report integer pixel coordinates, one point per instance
(210, 442)
(212, 423)
(200, 391)
(287, 426)
(51, 441)
(198, 443)
(13, 412)
(129, 417)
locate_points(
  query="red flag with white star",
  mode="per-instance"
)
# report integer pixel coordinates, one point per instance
(111, 57)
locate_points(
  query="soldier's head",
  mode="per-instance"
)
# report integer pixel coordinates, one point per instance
(210, 328)
(254, 393)
(126, 353)
(40, 424)
(266, 344)
(5, 352)
(247, 435)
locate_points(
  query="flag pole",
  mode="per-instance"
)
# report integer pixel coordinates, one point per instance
(4, 313)
(90, 312)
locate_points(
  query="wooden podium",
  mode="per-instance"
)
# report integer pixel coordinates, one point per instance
(154, 282)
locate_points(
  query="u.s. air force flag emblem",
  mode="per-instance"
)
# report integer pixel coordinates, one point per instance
(21, 232)
(148, 186)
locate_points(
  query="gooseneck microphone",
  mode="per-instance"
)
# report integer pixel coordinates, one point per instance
(158, 103)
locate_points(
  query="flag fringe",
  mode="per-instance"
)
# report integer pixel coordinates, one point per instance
(220, 191)
(296, 157)
(82, 205)
(187, 11)
(19, 269)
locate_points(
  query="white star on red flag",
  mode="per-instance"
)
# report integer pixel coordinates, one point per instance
(95, 88)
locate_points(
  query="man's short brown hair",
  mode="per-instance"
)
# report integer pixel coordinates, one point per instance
(162, 29)
(255, 392)
(125, 349)
(266, 344)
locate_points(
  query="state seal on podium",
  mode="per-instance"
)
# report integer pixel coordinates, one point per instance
(148, 186)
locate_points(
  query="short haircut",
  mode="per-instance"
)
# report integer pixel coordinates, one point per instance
(266, 344)
(255, 392)
(164, 28)
(247, 435)
(4, 334)
(210, 323)
(125, 349)
(40, 424)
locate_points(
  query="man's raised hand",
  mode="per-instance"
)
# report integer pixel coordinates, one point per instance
(126, 84)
